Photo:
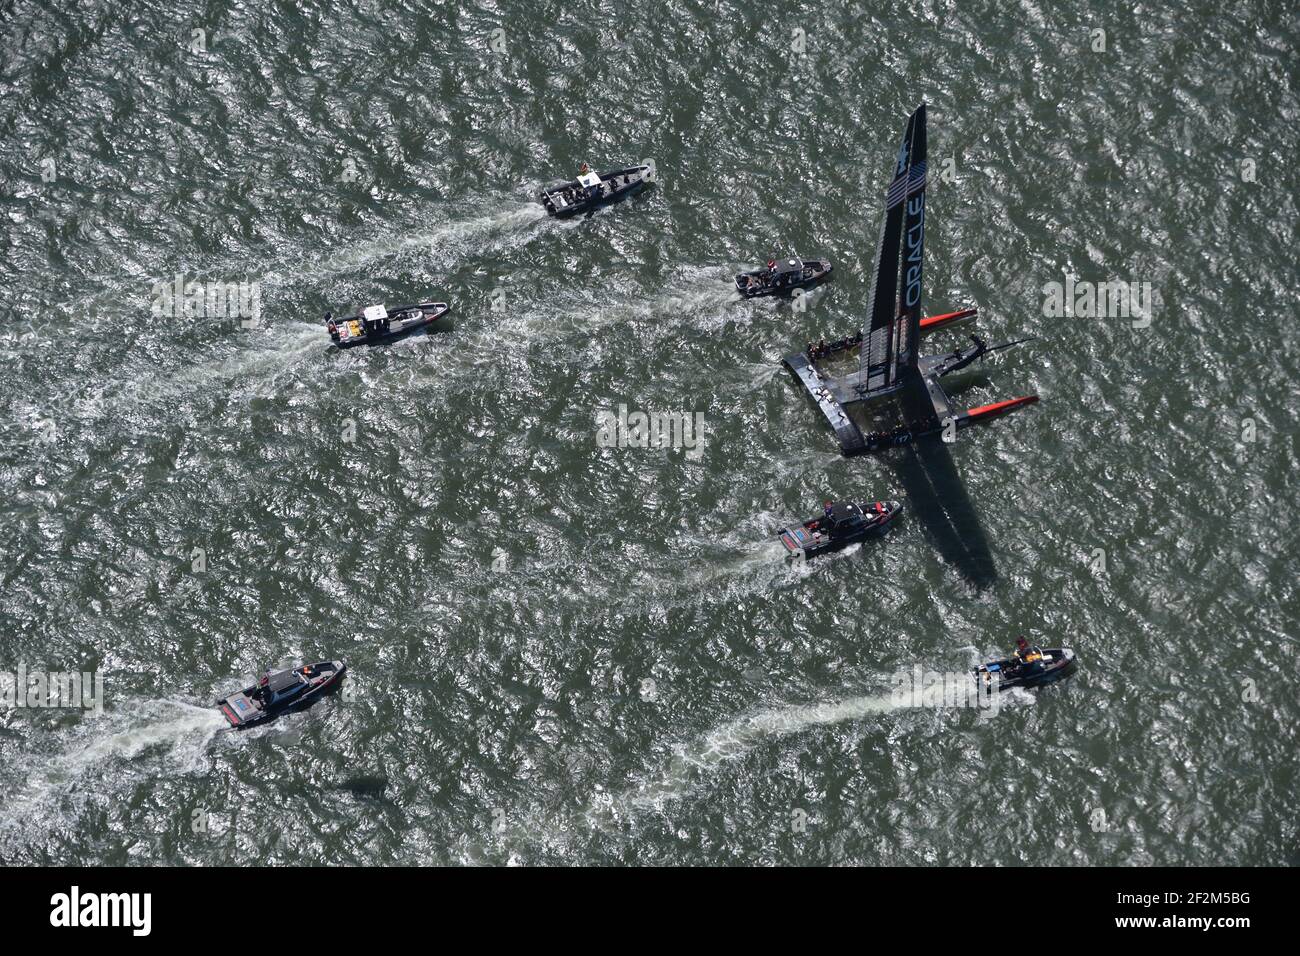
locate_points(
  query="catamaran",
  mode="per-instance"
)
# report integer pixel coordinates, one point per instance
(888, 361)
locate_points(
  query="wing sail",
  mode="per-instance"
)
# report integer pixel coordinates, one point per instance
(889, 352)
(908, 327)
(877, 355)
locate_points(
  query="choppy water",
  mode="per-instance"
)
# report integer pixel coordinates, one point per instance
(563, 653)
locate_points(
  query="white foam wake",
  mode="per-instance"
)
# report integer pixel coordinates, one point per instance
(438, 239)
(728, 742)
(127, 295)
(180, 730)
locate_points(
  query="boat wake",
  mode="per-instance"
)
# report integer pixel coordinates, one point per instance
(755, 556)
(768, 558)
(111, 405)
(699, 301)
(119, 298)
(608, 811)
(258, 357)
(760, 375)
(729, 741)
(693, 302)
(273, 355)
(702, 303)
(744, 562)
(181, 731)
(676, 585)
(693, 761)
(439, 241)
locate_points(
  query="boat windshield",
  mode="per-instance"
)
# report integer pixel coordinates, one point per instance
(283, 681)
(844, 512)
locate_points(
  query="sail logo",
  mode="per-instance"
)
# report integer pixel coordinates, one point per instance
(190, 299)
(904, 155)
(915, 248)
(47, 689)
(74, 909)
(1115, 299)
(637, 429)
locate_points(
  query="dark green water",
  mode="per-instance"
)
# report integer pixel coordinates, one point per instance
(563, 653)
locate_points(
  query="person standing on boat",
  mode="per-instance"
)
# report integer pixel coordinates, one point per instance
(585, 170)
(1031, 662)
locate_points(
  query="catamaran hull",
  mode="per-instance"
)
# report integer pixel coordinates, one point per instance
(962, 420)
(934, 323)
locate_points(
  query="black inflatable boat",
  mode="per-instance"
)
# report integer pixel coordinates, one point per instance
(592, 190)
(1031, 666)
(841, 524)
(378, 323)
(783, 276)
(281, 692)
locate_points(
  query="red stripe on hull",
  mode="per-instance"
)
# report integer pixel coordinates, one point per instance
(999, 408)
(938, 321)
